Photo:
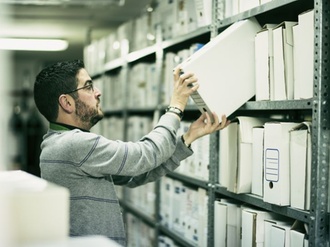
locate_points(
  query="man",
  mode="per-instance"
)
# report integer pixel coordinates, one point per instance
(88, 164)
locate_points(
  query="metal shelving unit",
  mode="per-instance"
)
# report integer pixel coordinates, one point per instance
(319, 217)
(318, 108)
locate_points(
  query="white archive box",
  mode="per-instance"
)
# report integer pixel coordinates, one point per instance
(278, 220)
(300, 165)
(303, 52)
(257, 160)
(253, 227)
(83, 241)
(283, 61)
(298, 234)
(31, 209)
(240, 168)
(227, 223)
(216, 66)
(264, 60)
(277, 162)
(280, 235)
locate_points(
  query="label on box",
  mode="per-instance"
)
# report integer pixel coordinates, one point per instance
(272, 160)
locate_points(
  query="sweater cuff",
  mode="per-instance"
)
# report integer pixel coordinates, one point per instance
(182, 151)
(169, 120)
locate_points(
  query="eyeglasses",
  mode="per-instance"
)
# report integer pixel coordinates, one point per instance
(89, 86)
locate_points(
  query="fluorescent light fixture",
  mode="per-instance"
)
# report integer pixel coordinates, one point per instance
(65, 2)
(20, 44)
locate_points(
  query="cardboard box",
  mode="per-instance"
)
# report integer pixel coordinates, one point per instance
(231, 8)
(245, 5)
(227, 223)
(269, 223)
(240, 173)
(31, 209)
(203, 12)
(298, 234)
(257, 160)
(277, 162)
(227, 152)
(220, 224)
(253, 227)
(303, 53)
(283, 61)
(84, 241)
(280, 235)
(214, 65)
(300, 166)
(264, 60)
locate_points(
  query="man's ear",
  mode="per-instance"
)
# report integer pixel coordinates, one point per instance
(66, 103)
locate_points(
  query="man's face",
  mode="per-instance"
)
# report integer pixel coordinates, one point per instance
(88, 108)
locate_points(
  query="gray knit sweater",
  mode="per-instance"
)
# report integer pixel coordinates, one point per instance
(89, 165)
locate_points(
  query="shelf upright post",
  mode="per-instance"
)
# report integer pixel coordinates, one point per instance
(214, 148)
(319, 222)
(124, 45)
(157, 113)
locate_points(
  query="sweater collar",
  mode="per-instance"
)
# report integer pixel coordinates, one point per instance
(65, 127)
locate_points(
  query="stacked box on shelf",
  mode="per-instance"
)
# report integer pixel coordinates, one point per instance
(126, 32)
(275, 147)
(284, 60)
(113, 128)
(164, 241)
(183, 210)
(237, 224)
(95, 56)
(139, 234)
(113, 48)
(163, 18)
(114, 94)
(138, 126)
(227, 223)
(106, 92)
(137, 85)
(143, 86)
(180, 17)
(203, 10)
(186, 17)
(167, 82)
(234, 7)
(142, 198)
(197, 165)
(144, 33)
(235, 163)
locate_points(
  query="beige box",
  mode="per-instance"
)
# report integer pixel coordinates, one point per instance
(283, 61)
(240, 168)
(277, 162)
(257, 160)
(300, 166)
(303, 53)
(31, 209)
(215, 64)
(253, 227)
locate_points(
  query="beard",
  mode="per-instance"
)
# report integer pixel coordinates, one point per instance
(89, 116)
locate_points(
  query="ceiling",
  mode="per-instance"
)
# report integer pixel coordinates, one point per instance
(74, 20)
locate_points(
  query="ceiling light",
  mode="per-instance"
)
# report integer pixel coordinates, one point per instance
(64, 2)
(20, 44)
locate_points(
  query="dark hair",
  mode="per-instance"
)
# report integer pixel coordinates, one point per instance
(53, 81)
